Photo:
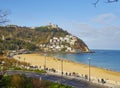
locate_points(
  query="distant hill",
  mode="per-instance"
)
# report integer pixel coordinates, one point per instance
(44, 38)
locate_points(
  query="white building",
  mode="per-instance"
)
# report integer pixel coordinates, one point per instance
(51, 40)
(3, 37)
(55, 38)
(72, 42)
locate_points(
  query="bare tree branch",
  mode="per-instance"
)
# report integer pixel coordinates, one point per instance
(107, 1)
(3, 17)
(96, 3)
(111, 1)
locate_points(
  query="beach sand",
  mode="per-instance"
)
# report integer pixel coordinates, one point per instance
(69, 66)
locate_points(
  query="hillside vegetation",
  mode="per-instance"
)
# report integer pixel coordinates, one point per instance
(14, 37)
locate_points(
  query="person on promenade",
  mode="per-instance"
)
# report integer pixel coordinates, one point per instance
(103, 81)
(98, 80)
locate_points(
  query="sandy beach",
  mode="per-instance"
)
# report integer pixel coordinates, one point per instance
(70, 67)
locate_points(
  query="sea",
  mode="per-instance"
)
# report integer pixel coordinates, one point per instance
(106, 59)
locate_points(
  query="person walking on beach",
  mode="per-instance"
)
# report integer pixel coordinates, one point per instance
(98, 80)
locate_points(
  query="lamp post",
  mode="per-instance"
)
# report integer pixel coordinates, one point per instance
(45, 61)
(61, 70)
(89, 59)
(19, 59)
(24, 63)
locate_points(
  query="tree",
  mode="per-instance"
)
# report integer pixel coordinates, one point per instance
(107, 1)
(3, 15)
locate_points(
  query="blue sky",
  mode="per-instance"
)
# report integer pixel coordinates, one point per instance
(98, 27)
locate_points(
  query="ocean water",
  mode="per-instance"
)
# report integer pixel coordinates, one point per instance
(107, 59)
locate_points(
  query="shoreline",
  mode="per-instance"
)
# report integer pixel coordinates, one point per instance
(71, 66)
(86, 64)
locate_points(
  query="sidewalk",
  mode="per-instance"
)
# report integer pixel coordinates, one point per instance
(95, 81)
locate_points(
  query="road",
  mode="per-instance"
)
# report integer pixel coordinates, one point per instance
(59, 79)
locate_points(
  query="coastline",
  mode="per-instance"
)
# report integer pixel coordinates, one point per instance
(70, 67)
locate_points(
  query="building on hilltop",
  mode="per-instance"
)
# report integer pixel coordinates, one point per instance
(50, 25)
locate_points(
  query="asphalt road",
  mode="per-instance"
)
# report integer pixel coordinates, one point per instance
(59, 79)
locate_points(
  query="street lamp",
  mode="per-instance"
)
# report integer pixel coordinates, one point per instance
(24, 63)
(89, 59)
(61, 70)
(45, 61)
(19, 60)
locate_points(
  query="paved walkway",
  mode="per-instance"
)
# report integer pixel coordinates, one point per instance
(95, 81)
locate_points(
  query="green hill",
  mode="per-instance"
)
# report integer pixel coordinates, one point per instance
(45, 38)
